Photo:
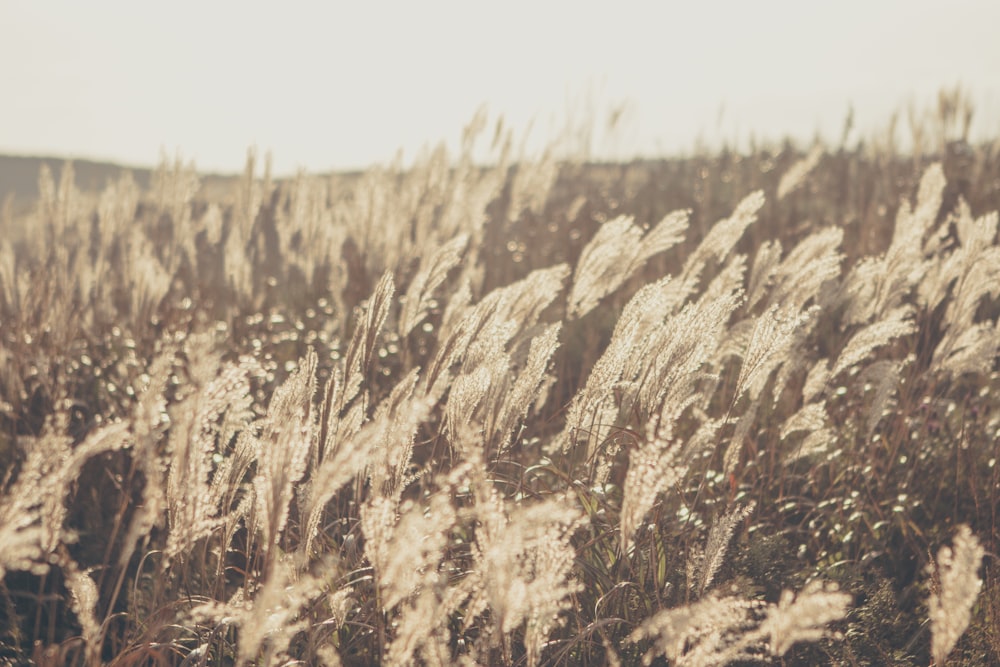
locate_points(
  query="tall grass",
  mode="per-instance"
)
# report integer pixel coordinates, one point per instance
(712, 411)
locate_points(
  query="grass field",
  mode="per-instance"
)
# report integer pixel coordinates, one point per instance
(728, 409)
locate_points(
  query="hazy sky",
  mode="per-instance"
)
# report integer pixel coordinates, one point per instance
(337, 85)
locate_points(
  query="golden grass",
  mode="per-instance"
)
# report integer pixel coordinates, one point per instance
(459, 415)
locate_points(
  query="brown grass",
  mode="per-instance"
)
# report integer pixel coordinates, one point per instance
(709, 411)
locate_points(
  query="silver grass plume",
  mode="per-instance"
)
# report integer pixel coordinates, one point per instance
(811, 264)
(668, 364)
(885, 376)
(707, 561)
(489, 346)
(399, 415)
(796, 358)
(270, 619)
(970, 274)
(361, 349)
(817, 378)
(705, 633)
(809, 418)
(955, 589)
(148, 278)
(729, 280)
(238, 266)
(814, 421)
(33, 510)
(462, 322)
(83, 600)
(414, 582)
(433, 271)
(594, 409)
(419, 636)
(615, 253)
(974, 254)
(532, 181)
(150, 422)
(14, 284)
(525, 389)
(405, 544)
(524, 561)
(968, 351)
(895, 324)
(720, 240)
(380, 448)
(459, 302)
(174, 188)
(653, 468)
(803, 616)
(467, 393)
(491, 391)
(718, 630)
(876, 286)
(765, 265)
(481, 386)
(770, 343)
(741, 433)
(286, 435)
(309, 238)
(500, 321)
(913, 223)
(815, 443)
(524, 301)
(798, 172)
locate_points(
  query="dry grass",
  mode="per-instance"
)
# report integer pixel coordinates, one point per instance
(712, 411)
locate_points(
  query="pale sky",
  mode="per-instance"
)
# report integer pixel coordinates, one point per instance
(340, 85)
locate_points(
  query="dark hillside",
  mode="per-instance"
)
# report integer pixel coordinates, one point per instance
(19, 175)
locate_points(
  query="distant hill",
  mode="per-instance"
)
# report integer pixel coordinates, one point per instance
(19, 176)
